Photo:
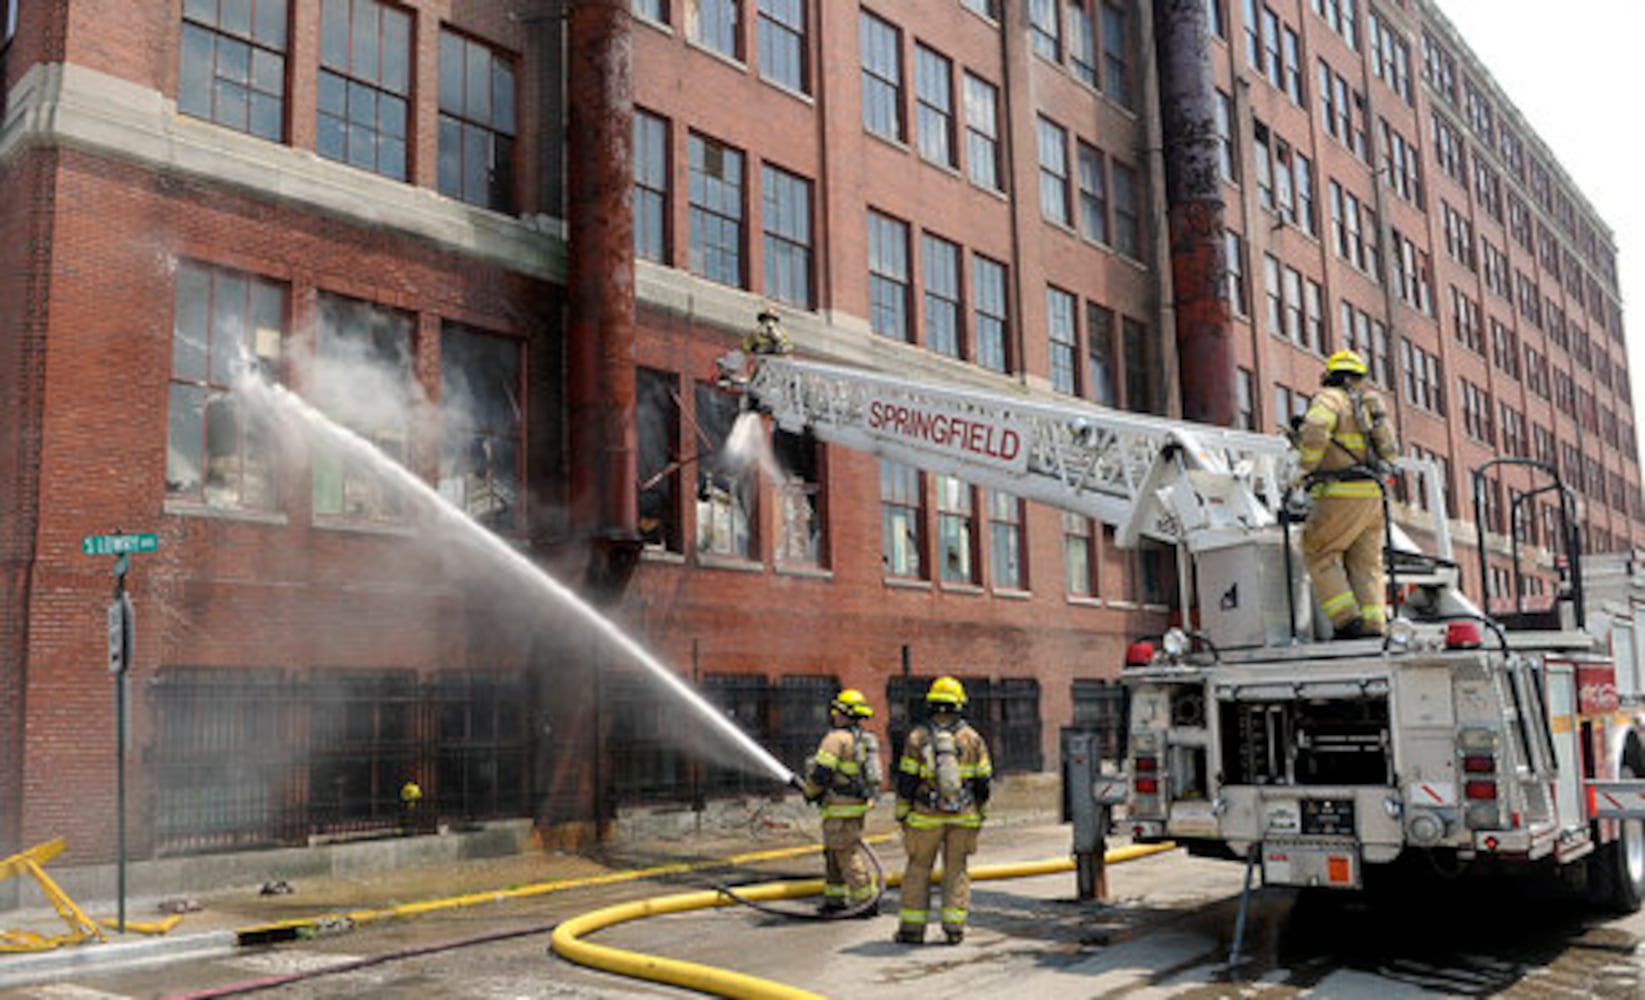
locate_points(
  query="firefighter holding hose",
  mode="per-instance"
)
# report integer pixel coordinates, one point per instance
(843, 779)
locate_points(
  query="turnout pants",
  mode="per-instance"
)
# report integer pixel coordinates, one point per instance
(957, 843)
(846, 881)
(1342, 544)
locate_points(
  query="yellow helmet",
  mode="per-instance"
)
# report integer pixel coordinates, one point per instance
(1346, 361)
(852, 702)
(946, 691)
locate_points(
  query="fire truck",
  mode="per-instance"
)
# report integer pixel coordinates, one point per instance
(1461, 741)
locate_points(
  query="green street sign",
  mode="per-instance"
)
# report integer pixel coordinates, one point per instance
(114, 545)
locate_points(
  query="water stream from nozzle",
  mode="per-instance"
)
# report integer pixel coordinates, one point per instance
(276, 398)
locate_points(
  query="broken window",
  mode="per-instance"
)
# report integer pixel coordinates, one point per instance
(481, 426)
(657, 419)
(725, 498)
(800, 532)
(362, 380)
(218, 452)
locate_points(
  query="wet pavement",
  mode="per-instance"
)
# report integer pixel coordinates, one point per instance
(1165, 930)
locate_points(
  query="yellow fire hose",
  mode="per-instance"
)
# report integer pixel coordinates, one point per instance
(288, 929)
(568, 944)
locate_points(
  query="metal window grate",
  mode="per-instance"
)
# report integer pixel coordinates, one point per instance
(254, 758)
(1102, 707)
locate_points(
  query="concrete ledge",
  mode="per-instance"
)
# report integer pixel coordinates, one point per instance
(22, 970)
(149, 881)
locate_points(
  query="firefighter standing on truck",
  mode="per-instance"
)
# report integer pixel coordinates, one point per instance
(843, 778)
(942, 793)
(1344, 446)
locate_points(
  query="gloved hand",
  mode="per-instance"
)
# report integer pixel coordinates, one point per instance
(1298, 505)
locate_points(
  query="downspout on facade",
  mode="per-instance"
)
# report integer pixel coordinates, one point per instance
(1195, 212)
(600, 341)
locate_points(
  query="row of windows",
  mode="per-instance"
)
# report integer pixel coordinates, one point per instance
(223, 449)
(1107, 189)
(1561, 266)
(1120, 357)
(1496, 134)
(885, 110)
(235, 72)
(1273, 49)
(780, 34)
(718, 202)
(1092, 39)
(977, 527)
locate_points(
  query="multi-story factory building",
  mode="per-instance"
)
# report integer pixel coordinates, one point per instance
(506, 242)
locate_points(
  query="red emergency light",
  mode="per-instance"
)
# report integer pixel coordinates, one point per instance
(1463, 635)
(1139, 654)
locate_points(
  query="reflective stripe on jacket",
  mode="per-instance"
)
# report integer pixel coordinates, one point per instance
(1333, 440)
(837, 775)
(918, 762)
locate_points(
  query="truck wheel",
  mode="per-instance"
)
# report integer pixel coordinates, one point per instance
(1616, 871)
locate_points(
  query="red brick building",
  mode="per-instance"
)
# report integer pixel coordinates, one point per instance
(377, 203)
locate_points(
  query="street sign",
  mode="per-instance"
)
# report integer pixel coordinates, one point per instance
(122, 628)
(113, 545)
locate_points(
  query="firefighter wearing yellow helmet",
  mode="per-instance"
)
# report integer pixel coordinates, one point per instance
(943, 782)
(1344, 446)
(843, 778)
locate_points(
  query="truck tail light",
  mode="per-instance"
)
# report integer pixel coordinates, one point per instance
(1146, 765)
(1479, 791)
(1479, 764)
(1147, 786)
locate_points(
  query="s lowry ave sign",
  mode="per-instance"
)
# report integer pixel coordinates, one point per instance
(115, 545)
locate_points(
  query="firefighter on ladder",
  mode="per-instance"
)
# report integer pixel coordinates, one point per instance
(843, 778)
(943, 782)
(1344, 445)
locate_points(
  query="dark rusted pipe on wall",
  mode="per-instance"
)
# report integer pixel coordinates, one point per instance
(1195, 212)
(600, 347)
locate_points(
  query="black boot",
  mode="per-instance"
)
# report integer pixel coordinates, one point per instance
(1354, 629)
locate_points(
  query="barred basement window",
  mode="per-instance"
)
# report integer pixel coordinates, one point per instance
(802, 716)
(481, 771)
(363, 747)
(1101, 707)
(222, 750)
(645, 734)
(1017, 746)
(746, 701)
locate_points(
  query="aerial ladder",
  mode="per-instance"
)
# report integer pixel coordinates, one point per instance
(1216, 494)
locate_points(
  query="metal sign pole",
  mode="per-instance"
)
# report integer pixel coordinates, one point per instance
(120, 641)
